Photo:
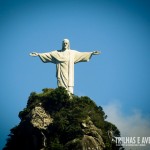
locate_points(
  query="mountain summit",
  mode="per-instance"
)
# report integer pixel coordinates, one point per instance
(52, 120)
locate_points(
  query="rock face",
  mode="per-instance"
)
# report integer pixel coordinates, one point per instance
(54, 121)
(39, 118)
(92, 138)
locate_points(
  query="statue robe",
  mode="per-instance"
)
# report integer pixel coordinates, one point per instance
(65, 60)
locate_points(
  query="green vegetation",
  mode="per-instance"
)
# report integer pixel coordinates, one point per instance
(68, 115)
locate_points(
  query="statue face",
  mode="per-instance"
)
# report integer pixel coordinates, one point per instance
(66, 44)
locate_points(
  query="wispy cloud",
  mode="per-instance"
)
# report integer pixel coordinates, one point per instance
(134, 125)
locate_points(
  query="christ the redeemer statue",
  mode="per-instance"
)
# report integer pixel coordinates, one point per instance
(65, 60)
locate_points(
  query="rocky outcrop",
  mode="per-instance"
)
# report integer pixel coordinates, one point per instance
(39, 118)
(92, 138)
(53, 120)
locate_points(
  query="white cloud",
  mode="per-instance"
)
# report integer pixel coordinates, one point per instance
(133, 125)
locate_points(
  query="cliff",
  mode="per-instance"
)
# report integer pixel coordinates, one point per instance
(54, 121)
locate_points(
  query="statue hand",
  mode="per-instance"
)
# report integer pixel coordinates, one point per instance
(34, 54)
(96, 52)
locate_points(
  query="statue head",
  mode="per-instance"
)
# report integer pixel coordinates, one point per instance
(65, 44)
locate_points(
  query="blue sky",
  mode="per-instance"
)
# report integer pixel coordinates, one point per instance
(118, 79)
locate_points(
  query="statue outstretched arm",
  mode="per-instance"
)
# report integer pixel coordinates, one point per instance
(47, 57)
(34, 54)
(84, 56)
(96, 52)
